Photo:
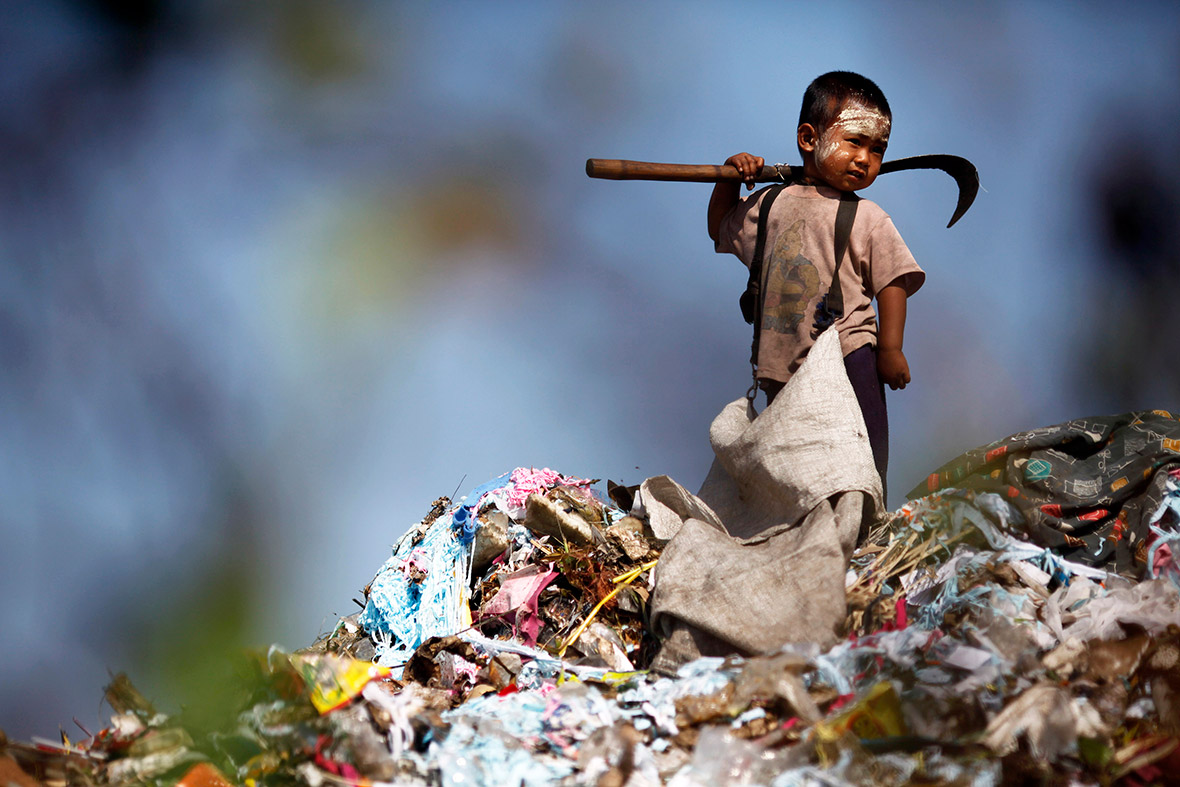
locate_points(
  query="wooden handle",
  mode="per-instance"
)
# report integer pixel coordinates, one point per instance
(959, 168)
(621, 169)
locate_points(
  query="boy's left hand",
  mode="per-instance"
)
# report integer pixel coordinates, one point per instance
(893, 368)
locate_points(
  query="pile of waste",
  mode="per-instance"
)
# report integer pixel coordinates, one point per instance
(506, 641)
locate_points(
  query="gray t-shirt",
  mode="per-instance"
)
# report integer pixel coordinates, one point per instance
(800, 258)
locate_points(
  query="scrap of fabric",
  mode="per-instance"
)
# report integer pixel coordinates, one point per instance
(1087, 488)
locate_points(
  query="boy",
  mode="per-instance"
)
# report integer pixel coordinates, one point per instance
(843, 131)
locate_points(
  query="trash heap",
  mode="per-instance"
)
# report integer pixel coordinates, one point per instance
(505, 642)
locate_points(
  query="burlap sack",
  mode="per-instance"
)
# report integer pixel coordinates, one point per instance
(788, 494)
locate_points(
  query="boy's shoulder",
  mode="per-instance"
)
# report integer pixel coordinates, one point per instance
(871, 211)
(798, 199)
(868, 213)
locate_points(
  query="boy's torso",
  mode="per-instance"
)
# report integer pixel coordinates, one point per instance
(799, 260)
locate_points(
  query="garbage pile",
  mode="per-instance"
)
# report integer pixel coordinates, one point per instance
(506, 642)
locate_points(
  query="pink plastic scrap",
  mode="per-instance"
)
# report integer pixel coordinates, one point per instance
(1164, 561)
(1164, 541)
(529, 480)
(519, 592)
(465, 668)
(417, 561)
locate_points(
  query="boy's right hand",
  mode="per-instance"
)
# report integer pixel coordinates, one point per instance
(749, 166)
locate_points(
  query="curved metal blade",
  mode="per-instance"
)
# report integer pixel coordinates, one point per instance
(959, 168)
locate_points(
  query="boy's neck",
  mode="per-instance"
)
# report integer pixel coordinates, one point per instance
(812, 178)
(811, 174)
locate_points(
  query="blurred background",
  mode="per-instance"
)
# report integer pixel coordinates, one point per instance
(276, 275)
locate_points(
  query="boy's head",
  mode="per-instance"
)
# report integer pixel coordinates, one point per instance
(843, 130)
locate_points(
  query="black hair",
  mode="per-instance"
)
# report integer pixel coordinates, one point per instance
(826, 94)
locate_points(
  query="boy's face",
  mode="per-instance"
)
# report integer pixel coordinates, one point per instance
(847, 154)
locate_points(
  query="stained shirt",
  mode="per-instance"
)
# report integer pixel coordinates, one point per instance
(800, 259)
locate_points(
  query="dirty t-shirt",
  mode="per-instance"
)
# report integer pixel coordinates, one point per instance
(799, 261)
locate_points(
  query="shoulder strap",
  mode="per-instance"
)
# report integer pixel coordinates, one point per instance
(831, 307)
(751, 301)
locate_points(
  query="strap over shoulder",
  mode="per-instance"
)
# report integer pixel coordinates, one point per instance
(751, 300)
(831, 306)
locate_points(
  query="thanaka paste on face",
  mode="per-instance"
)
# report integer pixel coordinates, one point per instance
(854, 118)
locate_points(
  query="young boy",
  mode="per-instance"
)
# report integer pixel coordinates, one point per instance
(843, 132)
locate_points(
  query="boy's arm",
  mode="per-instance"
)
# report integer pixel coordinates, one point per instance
(726, 193)
(891, 362)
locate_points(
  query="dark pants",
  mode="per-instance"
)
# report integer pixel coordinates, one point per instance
(861, 365)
